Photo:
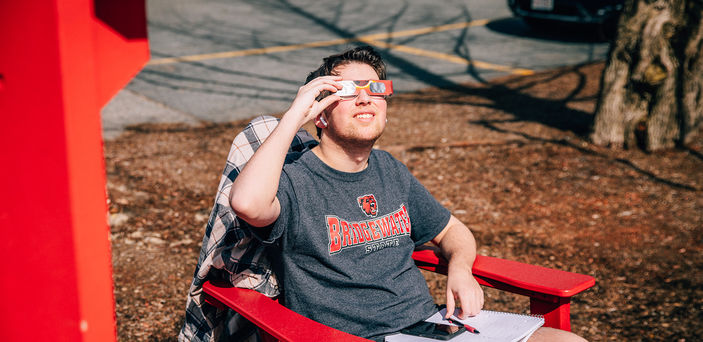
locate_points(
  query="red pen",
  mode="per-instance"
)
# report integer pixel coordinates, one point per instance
(468, 327)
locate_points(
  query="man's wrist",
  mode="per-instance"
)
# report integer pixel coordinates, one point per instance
(460, 265)
(291, 122)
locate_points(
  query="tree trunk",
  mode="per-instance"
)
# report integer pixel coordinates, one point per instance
(652, 86)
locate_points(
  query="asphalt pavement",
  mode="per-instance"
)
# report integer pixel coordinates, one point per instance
(218, 61)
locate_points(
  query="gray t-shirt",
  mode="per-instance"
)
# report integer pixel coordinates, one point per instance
(343, 244)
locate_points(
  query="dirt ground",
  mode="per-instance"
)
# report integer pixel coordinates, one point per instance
(509, 158)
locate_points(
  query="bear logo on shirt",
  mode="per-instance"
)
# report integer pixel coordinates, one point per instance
(368, 205)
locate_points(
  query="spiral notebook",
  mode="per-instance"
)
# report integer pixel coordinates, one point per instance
(493, 326)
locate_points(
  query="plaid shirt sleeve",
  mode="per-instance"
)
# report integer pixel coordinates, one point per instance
(229, 251)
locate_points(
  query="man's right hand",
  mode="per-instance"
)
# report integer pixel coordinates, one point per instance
(305, 107)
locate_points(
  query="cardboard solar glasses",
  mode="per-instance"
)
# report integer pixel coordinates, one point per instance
(375, 88)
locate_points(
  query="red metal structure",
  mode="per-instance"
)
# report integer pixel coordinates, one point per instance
(61, 61)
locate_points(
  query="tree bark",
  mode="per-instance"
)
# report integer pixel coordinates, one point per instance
(652, 86)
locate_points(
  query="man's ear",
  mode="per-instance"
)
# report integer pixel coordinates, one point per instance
(320, 121)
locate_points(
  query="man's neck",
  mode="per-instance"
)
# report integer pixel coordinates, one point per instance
(345, 159)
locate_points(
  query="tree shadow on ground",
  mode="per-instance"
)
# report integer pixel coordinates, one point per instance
(511, 100)
(571, 144)
(524, 106)
(515, 100)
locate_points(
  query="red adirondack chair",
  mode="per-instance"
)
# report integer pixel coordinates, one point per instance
(549, 290)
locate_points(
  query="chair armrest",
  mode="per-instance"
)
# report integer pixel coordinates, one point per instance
(274, 318)
(549, 290)
(532, 278)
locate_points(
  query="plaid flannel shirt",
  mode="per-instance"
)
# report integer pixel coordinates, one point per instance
(229, 251)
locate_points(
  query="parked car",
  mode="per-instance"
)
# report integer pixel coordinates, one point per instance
(538, 13)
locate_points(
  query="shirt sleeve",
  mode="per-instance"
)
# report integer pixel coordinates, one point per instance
(427, 216)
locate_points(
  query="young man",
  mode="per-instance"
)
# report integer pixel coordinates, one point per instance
(344, 218)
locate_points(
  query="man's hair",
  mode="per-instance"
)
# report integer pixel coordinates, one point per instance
(362, 54)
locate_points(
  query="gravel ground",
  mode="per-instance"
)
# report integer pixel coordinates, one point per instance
(509, 158)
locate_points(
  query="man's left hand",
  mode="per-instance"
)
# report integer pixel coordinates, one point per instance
(458, 246)
(462, 286)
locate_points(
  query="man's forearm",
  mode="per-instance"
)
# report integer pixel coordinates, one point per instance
(253, 194)
(458, 245)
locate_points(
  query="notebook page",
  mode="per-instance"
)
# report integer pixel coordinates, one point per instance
(493, 326)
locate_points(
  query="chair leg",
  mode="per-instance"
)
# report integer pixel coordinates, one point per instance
(556, 314)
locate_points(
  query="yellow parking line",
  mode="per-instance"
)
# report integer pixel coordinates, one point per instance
(426, 30)
(447, 57)
(372, 39)
(249, 52)
(283, 48)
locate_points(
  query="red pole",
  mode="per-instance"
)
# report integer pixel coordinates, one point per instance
(60, 63)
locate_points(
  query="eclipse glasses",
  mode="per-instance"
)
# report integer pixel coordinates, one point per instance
(375, 88)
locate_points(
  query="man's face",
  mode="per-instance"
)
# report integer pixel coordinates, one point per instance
(359, 121)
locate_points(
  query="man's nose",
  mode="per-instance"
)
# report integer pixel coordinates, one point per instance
(363, 97)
